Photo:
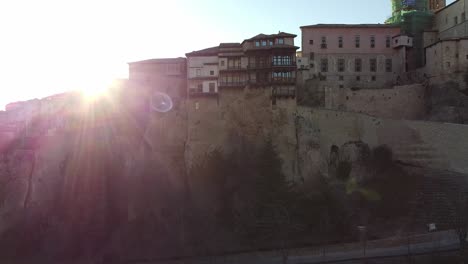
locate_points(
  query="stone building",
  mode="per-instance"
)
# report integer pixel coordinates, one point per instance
(202, 72)
(446, 45)
(243, 94)
(261, 61)
(163, 75)
(354, 56)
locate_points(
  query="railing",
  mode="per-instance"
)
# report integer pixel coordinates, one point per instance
(291, 64)
(273, 81)
(231, 84)
(271, 64)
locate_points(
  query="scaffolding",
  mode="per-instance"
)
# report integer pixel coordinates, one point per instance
(413, 17)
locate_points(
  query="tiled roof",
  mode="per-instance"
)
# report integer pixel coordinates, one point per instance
(229, 45)
(264, 36)
(213, 51)
(162, 61)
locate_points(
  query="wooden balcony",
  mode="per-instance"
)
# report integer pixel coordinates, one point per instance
(240, 84)
(271, 65)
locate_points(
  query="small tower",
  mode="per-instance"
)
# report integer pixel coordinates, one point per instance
(435, 5)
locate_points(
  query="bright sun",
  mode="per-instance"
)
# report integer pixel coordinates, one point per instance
(94, 88)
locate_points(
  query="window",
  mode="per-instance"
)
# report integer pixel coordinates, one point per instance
(280, 41)
(463, 17)
(387, 41)
(311, 41)
(357, 40)
(341, 77)
(341, 65)
(264, 42)
(222, 63)
(312, 56)
(324, 65)
(373, 65)
(270, 42)
(340, 42)
(341, 86)
(324, 43)
(200, 88)
(455, 20)
(198, 72)
(373, 78)
(212, 87)
(257, 43)
(197, 105)
(357, 65)
(211, 73)
(358, 78)
(372, 41)
(388, 65)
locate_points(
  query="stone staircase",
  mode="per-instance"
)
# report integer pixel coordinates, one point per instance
(419, 154)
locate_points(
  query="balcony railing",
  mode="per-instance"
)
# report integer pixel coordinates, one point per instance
(233, 68)
(290, 81)
(272, 64)
(291, 64)
(232, 84)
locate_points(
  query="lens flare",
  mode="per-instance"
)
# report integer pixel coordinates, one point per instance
(161, 102)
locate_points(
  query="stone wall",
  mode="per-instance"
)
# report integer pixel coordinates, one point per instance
(426, 144)
(399, 102)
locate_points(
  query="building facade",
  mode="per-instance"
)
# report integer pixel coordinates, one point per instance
(264, 61)
(347, 56)
(162, 75)
(203, 72)
(450, 22)
(446, 45)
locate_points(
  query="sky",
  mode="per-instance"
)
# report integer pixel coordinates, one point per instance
(48, 47)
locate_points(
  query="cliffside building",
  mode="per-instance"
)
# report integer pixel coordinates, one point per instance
(264, 61)
(163, 75)
(347, 55)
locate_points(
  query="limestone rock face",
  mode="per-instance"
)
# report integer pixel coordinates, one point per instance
(448, 103)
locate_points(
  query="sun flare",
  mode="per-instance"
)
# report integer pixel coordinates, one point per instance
(93, 89)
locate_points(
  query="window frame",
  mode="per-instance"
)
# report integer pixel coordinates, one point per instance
(324, 65)
(373, 65)
(357, 65)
